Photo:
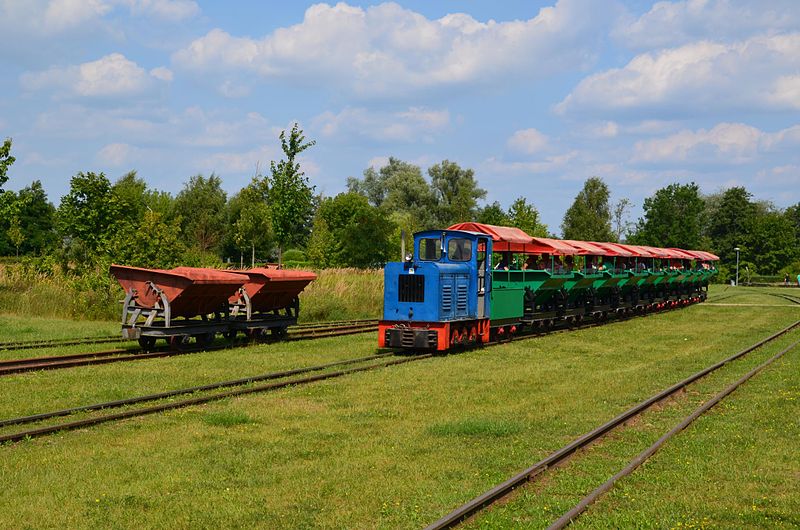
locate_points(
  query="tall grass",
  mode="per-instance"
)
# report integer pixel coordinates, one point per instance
(92, 295)
(343, 294)
(337, 294)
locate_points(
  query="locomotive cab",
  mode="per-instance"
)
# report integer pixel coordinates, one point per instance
(438, 296)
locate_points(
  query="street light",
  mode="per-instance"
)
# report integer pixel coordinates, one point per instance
(737, 266)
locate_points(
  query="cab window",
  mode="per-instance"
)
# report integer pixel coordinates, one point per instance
(459, 249)
(430, 249)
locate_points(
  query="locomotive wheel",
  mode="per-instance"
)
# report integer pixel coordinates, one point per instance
(147, 343)
(230, 334)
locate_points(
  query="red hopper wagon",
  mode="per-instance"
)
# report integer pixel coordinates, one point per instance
(188, 302)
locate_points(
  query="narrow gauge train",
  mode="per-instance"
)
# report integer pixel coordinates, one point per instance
(185, 302)
(448, 294)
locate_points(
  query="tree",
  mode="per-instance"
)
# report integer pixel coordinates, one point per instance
(201, 208)
(402, 193)
(772, 243)
(252, 226)
(36, 218)
(88, 214)
(352, 233)
(622, 225)
(291, 204)
(525, 217)
(129, 192)
(493, 214)
(6, 160)
(793, 215)
(152, 243)
(731, 222)
(456, 191)
(375, 184)
(589, 217)
(673, 217)
(15, 233)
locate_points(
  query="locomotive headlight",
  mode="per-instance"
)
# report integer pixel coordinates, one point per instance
(409, 256)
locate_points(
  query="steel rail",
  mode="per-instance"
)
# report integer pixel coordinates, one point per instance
(78, 341)
(52, 343)
(15, 366)
(584, 503)
(47, 430)
(41, 431)
(501, 490)
(183, 391)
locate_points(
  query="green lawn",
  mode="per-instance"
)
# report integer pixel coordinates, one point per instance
(394, 448)
(16, 328)
(735, 467)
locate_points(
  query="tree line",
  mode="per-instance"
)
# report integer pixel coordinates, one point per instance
(279, 217)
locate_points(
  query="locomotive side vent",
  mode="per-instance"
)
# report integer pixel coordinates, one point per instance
(461, 298)
(447, 298)
(411, 288)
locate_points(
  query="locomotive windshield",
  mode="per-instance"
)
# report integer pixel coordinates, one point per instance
(430, 249)
(459, 249)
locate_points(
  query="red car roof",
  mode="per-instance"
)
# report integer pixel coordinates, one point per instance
(504, 238)
(587, 248)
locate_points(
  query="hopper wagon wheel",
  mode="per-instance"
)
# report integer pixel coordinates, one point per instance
(178, 342)
(147, 343)
(230, 334)
(204, 339)
(255, 334)
(280, 332)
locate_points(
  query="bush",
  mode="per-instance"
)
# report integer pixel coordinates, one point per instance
(294, 255)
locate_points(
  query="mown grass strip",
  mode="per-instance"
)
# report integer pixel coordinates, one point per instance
(584, 503)
(33, 433)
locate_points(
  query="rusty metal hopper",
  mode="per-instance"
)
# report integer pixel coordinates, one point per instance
(271, 289)
(190, 291)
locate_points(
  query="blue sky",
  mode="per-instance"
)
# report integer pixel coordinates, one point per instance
(535, 96)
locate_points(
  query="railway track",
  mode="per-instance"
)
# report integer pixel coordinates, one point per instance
(16, 366)
(41, 431)
(570, 515)
(83, 341)
(501, 490)
(239, 387)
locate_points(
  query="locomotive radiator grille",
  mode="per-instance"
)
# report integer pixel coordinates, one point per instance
(461, 298)
(447, 298)
(411, 288)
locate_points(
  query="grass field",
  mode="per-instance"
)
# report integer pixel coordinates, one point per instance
(336, 294)
(402, 446)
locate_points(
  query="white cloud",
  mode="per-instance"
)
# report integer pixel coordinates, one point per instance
(173, 10)
(702, 76)
(527, 141)
(780, 176)
(389, 50)
(378, 162)
(112, 75)
(117, 154)
(56, 17)
(726, 143)
(613, 129)
(164, 74)
(239, 161)
(547, 165)
(60, 15)
(670, 24)
(413, 124)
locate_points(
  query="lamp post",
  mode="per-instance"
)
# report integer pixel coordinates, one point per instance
(737, 266)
